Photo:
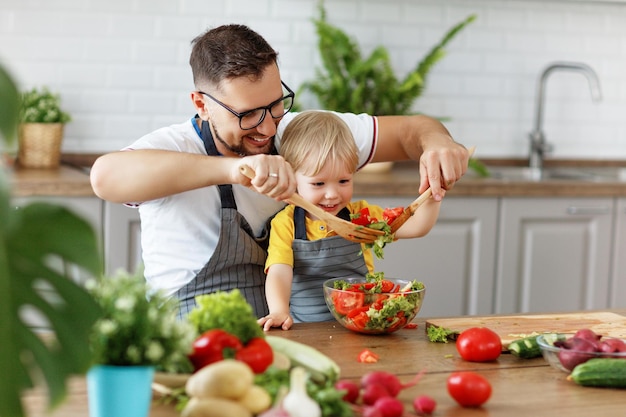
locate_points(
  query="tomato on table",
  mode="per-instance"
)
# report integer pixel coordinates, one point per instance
(367, 356)
(479, 344)
(346, 301)
(468, 388)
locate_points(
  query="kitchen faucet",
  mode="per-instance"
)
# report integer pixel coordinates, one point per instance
(538, 145)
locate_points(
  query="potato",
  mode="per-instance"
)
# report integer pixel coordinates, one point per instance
(214, 407)
(228, 378)
(257, 399)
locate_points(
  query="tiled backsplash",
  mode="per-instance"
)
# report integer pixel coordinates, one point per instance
(121, 66)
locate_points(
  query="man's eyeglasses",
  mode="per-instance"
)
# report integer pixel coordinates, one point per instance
(252, 118)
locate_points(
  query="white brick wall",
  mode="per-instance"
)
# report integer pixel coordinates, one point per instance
(121, 66)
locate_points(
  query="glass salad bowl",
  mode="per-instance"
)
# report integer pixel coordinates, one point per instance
(373, 306)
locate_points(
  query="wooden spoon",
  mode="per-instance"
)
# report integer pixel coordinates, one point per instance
(347, 230)
(411, 208)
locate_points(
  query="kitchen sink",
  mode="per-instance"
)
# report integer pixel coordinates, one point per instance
(589, 174)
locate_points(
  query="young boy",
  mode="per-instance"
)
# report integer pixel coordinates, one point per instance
(302, 252)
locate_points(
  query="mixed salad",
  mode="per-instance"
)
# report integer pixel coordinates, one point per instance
(365, 219)
(376, 304)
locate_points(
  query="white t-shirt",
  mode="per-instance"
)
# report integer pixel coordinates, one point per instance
(179, 233)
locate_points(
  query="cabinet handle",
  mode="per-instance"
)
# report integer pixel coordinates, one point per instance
(587, 210)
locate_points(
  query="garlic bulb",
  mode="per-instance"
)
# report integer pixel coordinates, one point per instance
(297, 402)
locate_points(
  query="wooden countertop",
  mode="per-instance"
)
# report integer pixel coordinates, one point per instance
(521, 387)
(64, 181)
(401, 181)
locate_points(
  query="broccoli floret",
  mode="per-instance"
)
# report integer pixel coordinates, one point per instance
(228, 311)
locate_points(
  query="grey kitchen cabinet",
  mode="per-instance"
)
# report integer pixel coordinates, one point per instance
(455, 261)
(122, 238)
(553, 254)
(617, 290)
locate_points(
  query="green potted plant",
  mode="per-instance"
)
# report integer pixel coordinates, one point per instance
(29, 238)
(42, 123)
(138, 333)
(348, 82)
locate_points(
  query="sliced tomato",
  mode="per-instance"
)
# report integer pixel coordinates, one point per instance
(362, 218)
(367, 356)
(360, 320)
(386, 286)
(390, 214)
(355, 312)
(401, 321)
(363, 286)
(346, 301)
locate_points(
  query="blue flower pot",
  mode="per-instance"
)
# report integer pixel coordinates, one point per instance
(119, 391)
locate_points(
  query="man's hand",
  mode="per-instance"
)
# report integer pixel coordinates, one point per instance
(441, 166)
(273, 176)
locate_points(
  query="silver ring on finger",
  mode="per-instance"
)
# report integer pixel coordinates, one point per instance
(273, 175)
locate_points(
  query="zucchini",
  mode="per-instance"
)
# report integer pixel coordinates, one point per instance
(527, 347)
(600, 372)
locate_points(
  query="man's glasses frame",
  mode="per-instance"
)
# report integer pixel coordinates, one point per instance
(290, 95)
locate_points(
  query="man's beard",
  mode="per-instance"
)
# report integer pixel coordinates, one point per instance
(238, 149)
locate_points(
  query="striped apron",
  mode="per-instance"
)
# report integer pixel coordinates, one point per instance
(239, 258)
(316, 261)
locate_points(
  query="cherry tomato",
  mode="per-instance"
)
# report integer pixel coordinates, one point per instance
(468, 389)
(346, 301)
(390, 214)
(257, 353)
(479, 344)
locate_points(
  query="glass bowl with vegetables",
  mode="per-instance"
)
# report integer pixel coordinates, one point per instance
(374, 304)
(564, 351)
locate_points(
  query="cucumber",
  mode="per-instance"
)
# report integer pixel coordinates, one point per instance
(528, 348)
(600, 372)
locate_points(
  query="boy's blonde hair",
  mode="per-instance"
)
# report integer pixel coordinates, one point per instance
(314, 138)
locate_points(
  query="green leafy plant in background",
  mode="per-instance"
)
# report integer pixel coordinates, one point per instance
(348, 82)
(31, 238)
(39, 105)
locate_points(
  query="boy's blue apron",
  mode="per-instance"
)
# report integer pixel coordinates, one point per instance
(239, 258)
(316, 261)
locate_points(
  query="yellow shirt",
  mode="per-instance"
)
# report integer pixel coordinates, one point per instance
(282, 234)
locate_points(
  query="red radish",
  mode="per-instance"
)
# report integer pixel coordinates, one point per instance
(371, 411)
(373, 392)
(351, 388)
(588, 334)
(612, 345)
(424, 405)
(389, 381)
(389, 407)
(576, 351)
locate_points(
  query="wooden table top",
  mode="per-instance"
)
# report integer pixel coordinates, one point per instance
(521, 387)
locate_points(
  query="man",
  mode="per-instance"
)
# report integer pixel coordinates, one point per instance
(204, 224)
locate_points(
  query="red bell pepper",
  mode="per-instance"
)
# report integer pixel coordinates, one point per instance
(257, 353)
(212, 346)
